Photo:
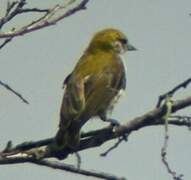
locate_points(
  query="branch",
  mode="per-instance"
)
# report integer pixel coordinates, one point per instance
(48, 19)
(6, 41)
(13, 155)
(112, 147)
(33, 10)
(149, 119)
(70, 168)
(172, 92)
(168, 104)
(14, 92)
(10, 13)
(61, 166)
(98, 137)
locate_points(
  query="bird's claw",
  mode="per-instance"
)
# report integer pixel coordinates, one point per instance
(125, 137)
(113, 122)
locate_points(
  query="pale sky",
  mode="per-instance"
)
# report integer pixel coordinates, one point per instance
(37, 63)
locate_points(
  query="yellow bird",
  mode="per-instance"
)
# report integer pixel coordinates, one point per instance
(93, 86)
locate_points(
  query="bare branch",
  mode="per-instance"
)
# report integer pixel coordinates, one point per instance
(10, 6)
(112, 147)
(6, 41)
(33, 10)
(61, 166)
(98, 137)
(92, 139)
(10, 14)
(79, 160)
(171, 92)
(70, 168)
(164, 155)
(46, 21)
(14, 92)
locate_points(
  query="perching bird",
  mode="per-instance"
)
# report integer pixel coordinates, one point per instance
(93, 86)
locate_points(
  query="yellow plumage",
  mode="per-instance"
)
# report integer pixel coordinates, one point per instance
(93, 85)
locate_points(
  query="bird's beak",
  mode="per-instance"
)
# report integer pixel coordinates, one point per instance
(131, 47)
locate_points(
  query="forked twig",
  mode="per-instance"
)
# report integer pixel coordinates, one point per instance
(171, 92)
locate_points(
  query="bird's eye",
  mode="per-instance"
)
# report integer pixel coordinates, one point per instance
(123, 41)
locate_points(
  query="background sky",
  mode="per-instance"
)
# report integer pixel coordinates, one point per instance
(37, 63)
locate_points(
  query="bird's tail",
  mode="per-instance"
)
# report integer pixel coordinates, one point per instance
(68, 137)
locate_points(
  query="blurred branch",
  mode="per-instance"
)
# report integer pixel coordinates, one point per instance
(120, 139)
(14, 92)
(98, 137)
(61, 166)
(70, 168)
(18, 154)
(164, 157)
(85, 136)
(5, 42)
(22, 152)
(33, 10)
(168, 105)
(174, 90)
(11, 12)
(51, 17)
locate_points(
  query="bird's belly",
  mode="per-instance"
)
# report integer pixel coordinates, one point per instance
(114, 101)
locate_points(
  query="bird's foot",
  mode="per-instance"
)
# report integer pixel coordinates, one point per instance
(125, 137)
(113, 122)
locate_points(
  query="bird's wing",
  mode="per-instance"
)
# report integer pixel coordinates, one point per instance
(73, 101)
(100, 91)
(72, 105)
(90, 95)
(66, 80)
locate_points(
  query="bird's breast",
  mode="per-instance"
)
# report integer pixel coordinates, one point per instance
(115, 100)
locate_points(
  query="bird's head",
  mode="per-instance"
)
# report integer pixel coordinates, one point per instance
(111, 40)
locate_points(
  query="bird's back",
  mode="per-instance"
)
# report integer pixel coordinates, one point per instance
(94, 85)
(103, 76)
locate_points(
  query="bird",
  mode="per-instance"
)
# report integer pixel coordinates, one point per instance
(94, 85)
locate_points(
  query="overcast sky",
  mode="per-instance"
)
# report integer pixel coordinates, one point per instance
(37, 63)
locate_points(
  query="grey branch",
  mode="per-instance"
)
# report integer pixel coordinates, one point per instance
(14, 92)
(98, 137)
(11, 12)
(94, 138)
(174, 90)
(50, 18)
(6, 41)
(61, 166)
(70, 168)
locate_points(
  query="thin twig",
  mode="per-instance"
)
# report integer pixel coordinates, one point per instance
(58, 165)
(11, 14)
(181, 117)
(184, 119)
(27, 28)
(70, 168)
(168, 111)
(171, 92)
(10, 6)
(33, 10)
(5, 42)
(73, 169)
(164, 154)
(79, 160)
(14, 92)
(120, 139)
(112, 147)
